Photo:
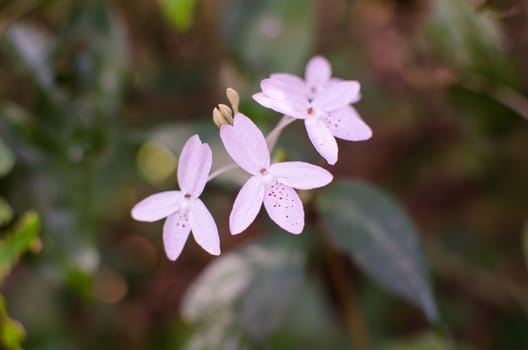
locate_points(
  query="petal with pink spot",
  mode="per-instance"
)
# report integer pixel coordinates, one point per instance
(176, 230)
(346, 124)
(284, 207)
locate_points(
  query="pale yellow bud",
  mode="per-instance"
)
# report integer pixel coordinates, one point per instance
(234, 98)
(218, 118)
(226, 112)
(222, 115)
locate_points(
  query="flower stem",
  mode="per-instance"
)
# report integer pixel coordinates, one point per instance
(274, 134)
(222, 170)
(271, 139)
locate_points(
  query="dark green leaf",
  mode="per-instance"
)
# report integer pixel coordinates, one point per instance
(373, 230)
(24, 237)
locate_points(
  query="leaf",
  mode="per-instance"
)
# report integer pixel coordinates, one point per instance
(249, 281)
(11, 332)
(6, 213)
(373, 230)
(32, 48)
(259, 295)
(7, 159)
(179, 13)
(24, 237)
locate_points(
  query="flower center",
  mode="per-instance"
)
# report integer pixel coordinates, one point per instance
(187, 195)
(266, 177)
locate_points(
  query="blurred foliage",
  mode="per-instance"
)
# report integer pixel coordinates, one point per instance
(262, 298)
(271, 28)
(11, 332)
(7, 159)
(179, 12)
(470, 40)
(97, 98)
(372, 229)
(424, 342)
(24, 237)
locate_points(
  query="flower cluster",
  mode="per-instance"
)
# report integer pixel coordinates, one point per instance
(323, 102)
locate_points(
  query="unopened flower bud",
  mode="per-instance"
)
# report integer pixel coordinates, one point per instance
(234, 98)
(222, 115)
(227, 113)
(218, 119)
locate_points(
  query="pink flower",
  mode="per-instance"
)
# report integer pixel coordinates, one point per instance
(270, 183)
(321, 101)
(183, 209)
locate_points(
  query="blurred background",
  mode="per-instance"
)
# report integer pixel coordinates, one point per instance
(97, 98)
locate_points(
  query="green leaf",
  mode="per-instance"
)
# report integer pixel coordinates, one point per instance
(6, 213)
(11, 332)
(24, 237)
(7, 159)
(373, 230)
(179, 12)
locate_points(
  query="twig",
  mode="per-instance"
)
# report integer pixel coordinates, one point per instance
(353, 316)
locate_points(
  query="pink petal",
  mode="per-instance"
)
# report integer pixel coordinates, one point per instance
(175, 233)
(247, 205)
(204, 228)
(301, 175)
(322, 139)
(287, 107)
(283, 90)
(346, 124)
(293, 81)
(337, 95)
(245, 143)
(194, 166)
(157, 206)
(284, 207)
(318, 71)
